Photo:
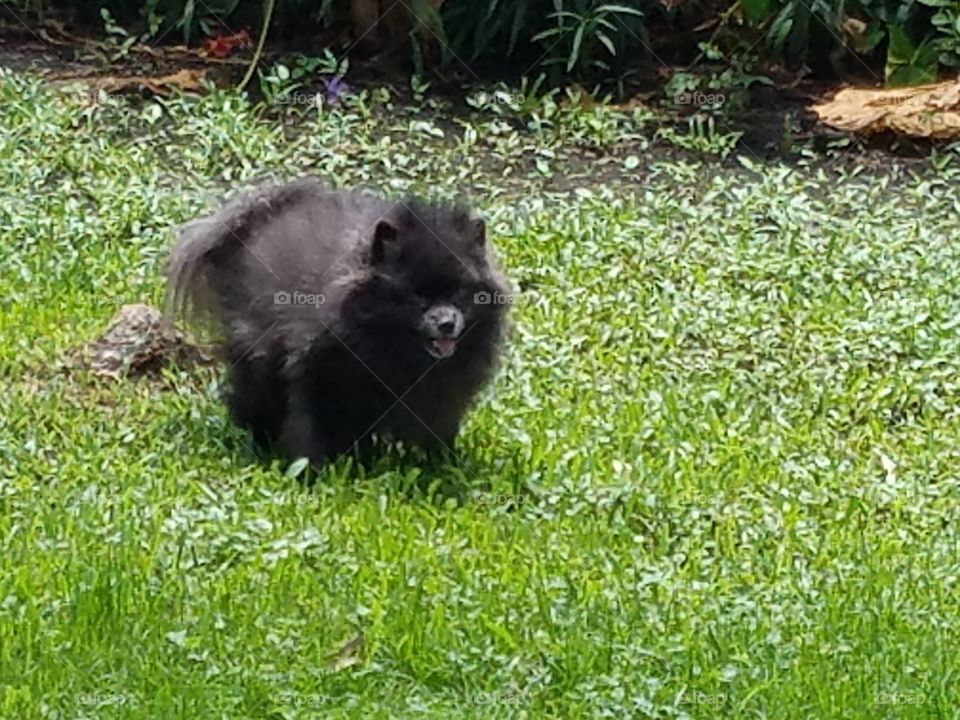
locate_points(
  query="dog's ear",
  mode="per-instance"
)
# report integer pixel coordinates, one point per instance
(384, 243)
(471, 226)
(477, 230)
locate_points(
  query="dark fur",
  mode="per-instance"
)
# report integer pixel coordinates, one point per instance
(317, 380)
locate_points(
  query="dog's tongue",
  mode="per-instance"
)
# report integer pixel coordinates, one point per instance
(445, 346)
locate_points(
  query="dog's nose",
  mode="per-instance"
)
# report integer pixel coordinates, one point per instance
(447, 320)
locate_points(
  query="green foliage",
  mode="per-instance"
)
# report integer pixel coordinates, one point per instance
(703, 136)
(946, 20)
(568, 117)
(579, 33)
(716, 477)
(908, 64)
(580, 40)
(794, 27)
(281, 83)
(191, 18)
(704, 88)
(754, 11)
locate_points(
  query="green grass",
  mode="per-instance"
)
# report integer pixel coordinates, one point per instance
(717, 477)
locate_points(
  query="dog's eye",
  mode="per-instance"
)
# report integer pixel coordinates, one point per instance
(422, 301)
(435, 291)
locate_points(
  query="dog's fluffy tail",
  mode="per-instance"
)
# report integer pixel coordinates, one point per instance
(189, 264)
(208, 244)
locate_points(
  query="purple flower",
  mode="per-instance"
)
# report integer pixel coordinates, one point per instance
(335, 87)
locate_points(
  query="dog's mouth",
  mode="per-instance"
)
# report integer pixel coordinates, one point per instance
(441, 347)
(441, 327)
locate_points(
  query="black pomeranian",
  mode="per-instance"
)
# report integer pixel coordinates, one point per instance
(343, 314)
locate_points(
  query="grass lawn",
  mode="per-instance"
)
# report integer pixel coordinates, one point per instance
(717, 476)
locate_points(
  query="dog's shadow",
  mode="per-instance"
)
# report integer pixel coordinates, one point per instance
(437, 476)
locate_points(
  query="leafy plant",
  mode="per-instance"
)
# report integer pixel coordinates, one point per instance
(946, 20)
(794, 26)
(575, 40)
(909, 64)
(581, 38)
(714, 91)
(581, 32)
(280, 83)
(702, 136)
(119, 39)
(526, 101)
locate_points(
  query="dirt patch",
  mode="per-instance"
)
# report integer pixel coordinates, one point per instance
(138, 342)
(51, 51)
(776, 122)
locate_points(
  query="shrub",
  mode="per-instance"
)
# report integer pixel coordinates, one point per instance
(574, 39)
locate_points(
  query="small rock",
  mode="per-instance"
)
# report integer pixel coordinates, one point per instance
(139, 341)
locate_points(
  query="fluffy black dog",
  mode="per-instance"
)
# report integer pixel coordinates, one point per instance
(343, 314)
